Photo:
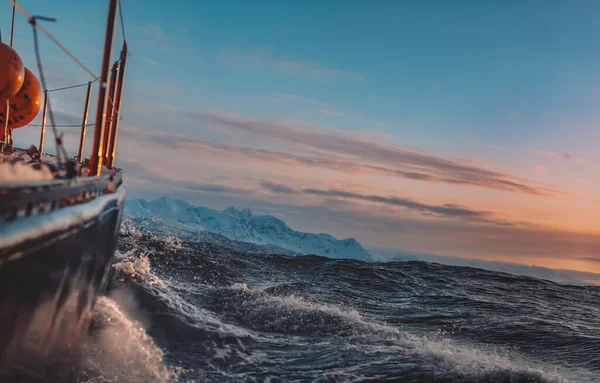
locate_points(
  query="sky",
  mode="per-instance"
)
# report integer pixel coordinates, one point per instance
(461, 128)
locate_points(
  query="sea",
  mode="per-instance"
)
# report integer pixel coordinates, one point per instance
(186, 310)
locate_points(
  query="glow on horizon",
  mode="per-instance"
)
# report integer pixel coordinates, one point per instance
(436, 129)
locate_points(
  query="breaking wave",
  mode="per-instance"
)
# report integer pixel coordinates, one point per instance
(194, 311)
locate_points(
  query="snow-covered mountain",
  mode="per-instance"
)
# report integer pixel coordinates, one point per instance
(244, 226)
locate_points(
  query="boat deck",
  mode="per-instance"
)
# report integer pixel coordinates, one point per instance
(29, 186)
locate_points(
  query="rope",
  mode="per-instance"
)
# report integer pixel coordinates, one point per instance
(32, 21)
(57, 138)
(70, 87)
(65, 126)
(12, 26)
(75, 125)
(122, 22)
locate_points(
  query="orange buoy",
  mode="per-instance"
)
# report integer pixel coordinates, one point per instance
(25, 105)
(12, 73)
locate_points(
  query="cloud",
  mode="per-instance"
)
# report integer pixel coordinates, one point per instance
(560, 156)
(295, 97)
(517, 244)
(182, 142)
(142, 170)
(90, 49)
(405, 162)
(264, 57)
(330, 112)
(440, 211)
(149, 61)
(590, 259)
(460, 230)
(570, 277)
(59, 75)
(533, 245)
(270, 156)
(179, 144)
(215, 188)
(66, 118)
(277, 187)
(154, 32)
(152, 35)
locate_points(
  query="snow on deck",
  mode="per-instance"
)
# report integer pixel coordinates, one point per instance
(16, 167)
(19, 172)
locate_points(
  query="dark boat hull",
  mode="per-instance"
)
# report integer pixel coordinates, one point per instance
(53, 266)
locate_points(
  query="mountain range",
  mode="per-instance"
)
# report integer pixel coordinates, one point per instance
(243, 226)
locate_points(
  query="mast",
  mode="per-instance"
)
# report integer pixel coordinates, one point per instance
(98, 149)
(109, 111)
(86, 109)
(112, 149)
(43, 130)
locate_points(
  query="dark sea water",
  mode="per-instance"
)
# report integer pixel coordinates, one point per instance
(195, 311)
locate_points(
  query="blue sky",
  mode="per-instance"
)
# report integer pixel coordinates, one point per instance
(464, 127)
(473, 63)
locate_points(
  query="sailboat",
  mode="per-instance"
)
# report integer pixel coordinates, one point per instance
(59, 216)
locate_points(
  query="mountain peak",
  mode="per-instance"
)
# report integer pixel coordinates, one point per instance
(166, 200)
(170, 201)
(242, 225)
(232, 211)
(244, 213)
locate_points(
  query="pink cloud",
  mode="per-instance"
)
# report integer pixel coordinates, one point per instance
(400, 159)
(264, 57)
(560, 156)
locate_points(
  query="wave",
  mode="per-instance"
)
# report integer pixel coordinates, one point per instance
(210, 313)
(291, 315)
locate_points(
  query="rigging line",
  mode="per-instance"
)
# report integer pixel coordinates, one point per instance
(57, 138)
(64, 125)
(72, 125)
(12, 26)
(73, 86)
(67, 87)
(122, 22)
(32, 21)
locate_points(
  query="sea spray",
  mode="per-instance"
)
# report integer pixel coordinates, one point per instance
(218, 314)
(119, 349)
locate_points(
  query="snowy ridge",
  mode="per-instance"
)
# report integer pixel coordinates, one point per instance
(157, 226)
(243, 226)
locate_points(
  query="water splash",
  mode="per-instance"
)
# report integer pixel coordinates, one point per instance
(119, 349)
